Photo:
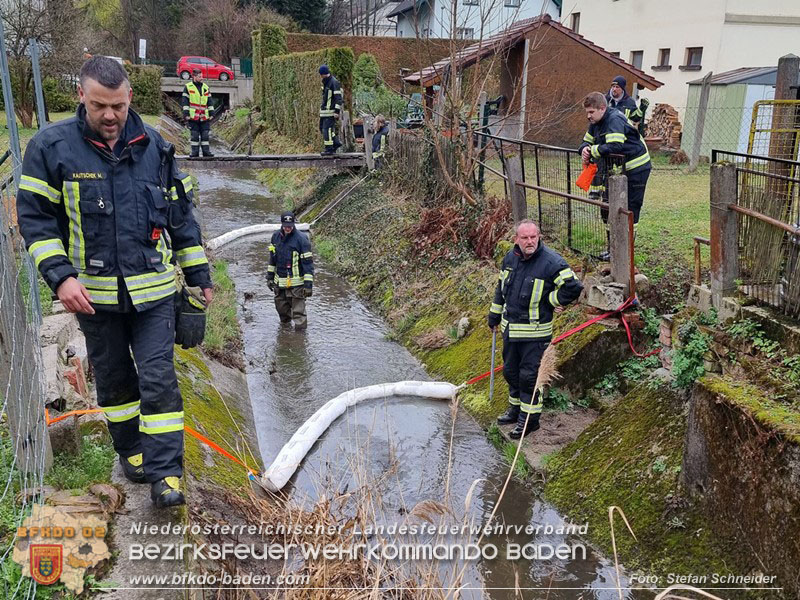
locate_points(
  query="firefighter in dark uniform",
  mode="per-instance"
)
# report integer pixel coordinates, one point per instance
(196, 113)
(380, 141)
(290, 273)
(104, 227)
(534, 281)
(618, 98)
(611, 133)
(329, 111)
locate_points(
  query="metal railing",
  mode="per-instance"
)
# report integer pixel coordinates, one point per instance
(768, 206)
(562, 209)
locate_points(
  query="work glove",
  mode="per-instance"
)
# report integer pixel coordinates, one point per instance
(493, 320)
(271, 285)
(307, 292)
(190, 320)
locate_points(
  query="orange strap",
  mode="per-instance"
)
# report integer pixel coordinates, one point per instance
(187, 429)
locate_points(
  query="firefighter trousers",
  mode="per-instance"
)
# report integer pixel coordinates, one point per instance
(291, 305)
(330, 138)
(138, 394)
(200, 131)
(637, 183)
(521, 360)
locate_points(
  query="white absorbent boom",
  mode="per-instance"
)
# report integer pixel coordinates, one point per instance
(295, 450)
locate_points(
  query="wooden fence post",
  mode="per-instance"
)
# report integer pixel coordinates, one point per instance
(724, 232)
(620, 241)
(519, 203)
(368, 142)
(700, 122)
(348, 139)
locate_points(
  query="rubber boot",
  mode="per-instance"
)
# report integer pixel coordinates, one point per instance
(132, 468)
(521, 429)
(605, 256)
(510, 416)
(166, 492)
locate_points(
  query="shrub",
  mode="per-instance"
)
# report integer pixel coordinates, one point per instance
(366, 73)
(273, 40)
(291, 90)
(146, 84)
(56, 98)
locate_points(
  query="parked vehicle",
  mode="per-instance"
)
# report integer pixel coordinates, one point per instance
(210, 69)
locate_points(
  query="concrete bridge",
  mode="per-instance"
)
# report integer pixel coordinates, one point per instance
(276, 161)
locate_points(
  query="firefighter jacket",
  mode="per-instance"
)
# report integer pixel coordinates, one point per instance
(615, 134)
(195, 101)
(528, 290)
(380, 141)
(105, 218)
(290, 259)
(331, 97)
(626, 105)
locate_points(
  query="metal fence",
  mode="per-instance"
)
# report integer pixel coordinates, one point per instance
(768, 204)
(24, 451)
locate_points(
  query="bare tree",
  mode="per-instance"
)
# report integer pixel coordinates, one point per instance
(54, 26)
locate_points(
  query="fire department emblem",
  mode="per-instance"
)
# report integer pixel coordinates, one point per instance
(46, 563)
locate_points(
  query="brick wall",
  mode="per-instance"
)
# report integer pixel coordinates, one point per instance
(561, 72)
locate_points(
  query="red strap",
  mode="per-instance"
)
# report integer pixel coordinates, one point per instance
(222, 451)
(484, 376)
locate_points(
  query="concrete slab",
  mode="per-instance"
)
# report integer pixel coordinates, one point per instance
(58, 329)
(140, 511)
(557, 430)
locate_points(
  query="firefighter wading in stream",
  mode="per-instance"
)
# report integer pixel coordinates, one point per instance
(290, 273)
(101, 221)
(534, 281)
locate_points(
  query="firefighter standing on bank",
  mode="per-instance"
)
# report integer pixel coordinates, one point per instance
(380, 141)
(101, 221)
(290, 273)
(534, 281)
(196, 113)
(611, 133)
(329, 111)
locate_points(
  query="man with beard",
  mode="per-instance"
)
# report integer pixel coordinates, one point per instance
(534, 282)
(102, 207)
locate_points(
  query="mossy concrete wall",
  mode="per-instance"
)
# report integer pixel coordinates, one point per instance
(742, 463)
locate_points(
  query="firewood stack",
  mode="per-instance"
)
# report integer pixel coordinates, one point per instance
(665, 123)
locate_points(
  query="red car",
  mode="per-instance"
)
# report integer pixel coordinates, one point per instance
(210, 69)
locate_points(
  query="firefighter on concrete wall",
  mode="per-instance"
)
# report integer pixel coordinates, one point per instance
(105, 215)
(196, 113)
(329, 111)
(290, 273)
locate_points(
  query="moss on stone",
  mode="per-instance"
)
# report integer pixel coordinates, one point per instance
(214, 416)
(631, 458)
(773, 415)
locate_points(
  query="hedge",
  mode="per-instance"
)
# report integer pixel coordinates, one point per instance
(146, 84)
(291, 90)
(273, 40)
(257, 62)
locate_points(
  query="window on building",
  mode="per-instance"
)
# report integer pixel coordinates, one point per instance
(471, 2)
(637, 56)
(693, 60)
(576, 22)
(513, 3)
(663, 57)
(614, 54)
(466, 33)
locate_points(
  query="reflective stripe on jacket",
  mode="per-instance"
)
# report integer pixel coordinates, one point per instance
(195, 102)
(331, 97)
(290, 260)
(527, 291)
(87, 213)
(615, 134)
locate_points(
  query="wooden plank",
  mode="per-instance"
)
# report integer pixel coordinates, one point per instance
(274, 161)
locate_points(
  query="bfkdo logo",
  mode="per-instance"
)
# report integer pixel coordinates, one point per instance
(46, 562)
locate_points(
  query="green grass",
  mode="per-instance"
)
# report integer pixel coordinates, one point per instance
(222, 326)
(91, 465)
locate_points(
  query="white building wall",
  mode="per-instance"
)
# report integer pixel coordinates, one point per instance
(482, 17)
(732, 33)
